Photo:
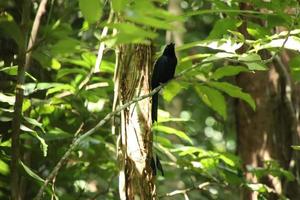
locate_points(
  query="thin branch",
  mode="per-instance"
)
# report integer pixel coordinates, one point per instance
(24, 60)
(101, 49)
(184, 192)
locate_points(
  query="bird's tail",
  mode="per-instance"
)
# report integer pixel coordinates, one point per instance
(154, 107)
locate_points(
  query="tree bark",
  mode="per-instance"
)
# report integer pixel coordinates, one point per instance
(132, 79)
(266, 134)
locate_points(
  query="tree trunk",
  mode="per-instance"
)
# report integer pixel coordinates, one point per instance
(266, 134)
(132, 79)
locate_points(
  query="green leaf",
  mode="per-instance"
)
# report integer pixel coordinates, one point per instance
(7, 99)
(61, 87)
(66, 71)
(119, 5)
(44, 146)
(4, 168)
(295, 147)
(257, 31)
(228, 71)
(213, 98)
(171, 90)
(253, 61)
(35, 123)
(219, 56)
(65, 46)
(91, 10)
(31, 173)
(292, 43)
(169, 130)
(222, 26)
(233, 91)
(149, 21)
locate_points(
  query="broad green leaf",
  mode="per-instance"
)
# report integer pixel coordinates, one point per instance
(222, 26)
(228, 71)
(195, 57)
(61, 87)
(233, 91)
(149, 21)
(67, 71)
(119, 5)
(188, 150)
(128, 33)
(229, 45)
(295, 147)
(89, 58)
(31, 173)
(107, 66)
(213, 98)
(7, 99)
(163, 141)
(91, 10)
(65, 46)
(35, 123)
(55, 64)
(13, 70)
(294, 64)
(230, 159)
(253, 61)
(33, 87)
(171, 90)
(292, 43)
(4, 168)
(257, 31)
(44, 145)
(219, 56)
(169, 130)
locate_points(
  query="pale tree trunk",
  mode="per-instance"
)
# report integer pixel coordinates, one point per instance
(176, 35)
(132, 78)
(267, 133)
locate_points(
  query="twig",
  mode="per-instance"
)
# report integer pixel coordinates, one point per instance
(102, 44)
(101, 49)
(185, 191)
(23, 64)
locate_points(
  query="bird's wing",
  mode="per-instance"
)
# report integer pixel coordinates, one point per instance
(158, 71)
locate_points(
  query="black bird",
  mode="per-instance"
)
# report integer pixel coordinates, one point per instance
(164, 70)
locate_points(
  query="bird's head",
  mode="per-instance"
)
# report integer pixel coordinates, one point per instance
(170, 49)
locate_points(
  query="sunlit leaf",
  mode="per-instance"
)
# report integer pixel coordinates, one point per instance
(119, 5)
(169, 130)
(91, 10)
(228, 71)
(292, 43)
(65, 46)
(222, 26)
(4, 168)
(253, 61)
(213, 98)
(296, 147)
(31, 173)
(171, 90)
(233, 91)
(7, 99)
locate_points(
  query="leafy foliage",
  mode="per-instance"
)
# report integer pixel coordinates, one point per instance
(64, 97)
